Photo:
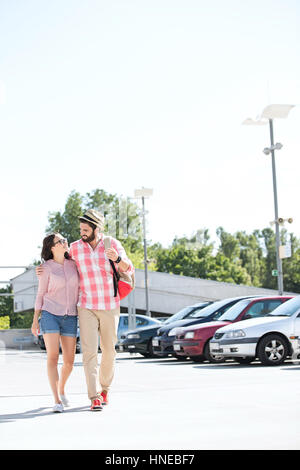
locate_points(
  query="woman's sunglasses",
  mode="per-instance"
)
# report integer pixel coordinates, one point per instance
(62, 241)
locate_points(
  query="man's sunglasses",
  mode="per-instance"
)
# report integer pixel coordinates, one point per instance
(62, 241)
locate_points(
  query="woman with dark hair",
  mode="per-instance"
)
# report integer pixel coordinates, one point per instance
(56, 304)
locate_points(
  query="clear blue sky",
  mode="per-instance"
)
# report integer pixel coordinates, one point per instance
(122, 94)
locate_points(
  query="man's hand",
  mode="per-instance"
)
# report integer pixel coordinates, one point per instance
(112, 254)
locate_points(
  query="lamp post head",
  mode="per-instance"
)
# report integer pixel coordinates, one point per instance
(144, 192)
(275, 111)
(254, 122)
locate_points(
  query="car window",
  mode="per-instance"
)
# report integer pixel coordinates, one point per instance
(231, 312)
(272, 304)
(125, 322)
(141, 321)
(287, 309)
(179, 315)
(256, 310)
(206, 311)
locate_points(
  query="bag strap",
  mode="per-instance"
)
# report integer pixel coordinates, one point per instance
(116, 275)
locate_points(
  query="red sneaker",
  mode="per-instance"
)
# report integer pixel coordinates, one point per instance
(104, 398)
(96, 405)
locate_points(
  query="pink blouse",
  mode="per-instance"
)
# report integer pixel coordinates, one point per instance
(58, 288)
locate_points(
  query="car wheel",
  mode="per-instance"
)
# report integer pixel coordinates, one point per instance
(244, 360)
(272, 350)
(150, 352)
(78, 346)
(214, 358)
(197, 358)
(180, 358)
(41, 343)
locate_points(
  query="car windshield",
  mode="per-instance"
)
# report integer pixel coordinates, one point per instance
(233, 312)
(287, 309)
(205, 312)
(179, 315)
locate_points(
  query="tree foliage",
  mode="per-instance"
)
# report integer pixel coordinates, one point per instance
(240, 258)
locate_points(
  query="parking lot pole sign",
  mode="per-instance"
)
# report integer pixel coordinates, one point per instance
(285, 251)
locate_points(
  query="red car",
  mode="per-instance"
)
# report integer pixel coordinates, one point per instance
(193, 340)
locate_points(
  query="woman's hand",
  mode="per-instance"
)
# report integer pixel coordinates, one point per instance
(39, 270)
(35, 328)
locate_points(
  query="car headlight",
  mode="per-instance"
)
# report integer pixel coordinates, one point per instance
(133, 336)
(235, 334)
(173, 332)
(189, 335)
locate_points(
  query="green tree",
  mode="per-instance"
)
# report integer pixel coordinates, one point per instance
(251, 256)
(66, 222)
(6, 302)
(189, 258)
(121, 217)
(291, 265)
(229, 245)
(269, 241)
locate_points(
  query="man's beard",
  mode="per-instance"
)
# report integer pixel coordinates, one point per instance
(88, 239)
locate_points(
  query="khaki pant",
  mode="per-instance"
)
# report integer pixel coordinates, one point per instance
(91, 323)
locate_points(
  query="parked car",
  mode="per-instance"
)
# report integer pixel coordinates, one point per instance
(141, 341)
(193, 341)
(141, 321)
(163, 343)
(267, 338)
(295, 347)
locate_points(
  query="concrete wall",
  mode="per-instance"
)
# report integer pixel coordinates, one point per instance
(14, 339)
(168, 293)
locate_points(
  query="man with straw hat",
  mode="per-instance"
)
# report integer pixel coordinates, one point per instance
(98, 307)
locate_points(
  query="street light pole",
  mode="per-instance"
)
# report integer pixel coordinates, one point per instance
(271, 112)
(278, 259)
(142, 193)
(145, 259)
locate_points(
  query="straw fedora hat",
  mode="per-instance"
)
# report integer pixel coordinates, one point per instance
(93, 217)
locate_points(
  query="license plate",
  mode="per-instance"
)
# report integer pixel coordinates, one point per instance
(155, 342)
(176, 347)
(130, 346)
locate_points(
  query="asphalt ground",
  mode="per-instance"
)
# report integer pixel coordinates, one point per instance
(154, 404)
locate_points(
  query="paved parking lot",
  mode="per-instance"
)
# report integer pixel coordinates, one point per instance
(155, 404)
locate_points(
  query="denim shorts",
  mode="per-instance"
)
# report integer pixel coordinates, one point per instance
(65, 325)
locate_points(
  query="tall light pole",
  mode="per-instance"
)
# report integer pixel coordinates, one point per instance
(145, 193)
(268, 115)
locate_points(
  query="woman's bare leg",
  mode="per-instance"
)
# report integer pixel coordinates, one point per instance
(68, 345)
(52, 347)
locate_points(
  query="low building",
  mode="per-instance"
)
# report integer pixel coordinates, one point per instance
(168, 293)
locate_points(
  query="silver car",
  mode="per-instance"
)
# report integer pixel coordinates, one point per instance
(267, 338)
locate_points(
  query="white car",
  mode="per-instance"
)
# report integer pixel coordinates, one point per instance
(268, 338)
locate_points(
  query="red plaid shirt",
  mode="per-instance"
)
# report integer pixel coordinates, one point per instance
(96, 275)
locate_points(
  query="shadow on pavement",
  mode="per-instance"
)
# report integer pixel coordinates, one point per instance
(236, 365)
(37, 413)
